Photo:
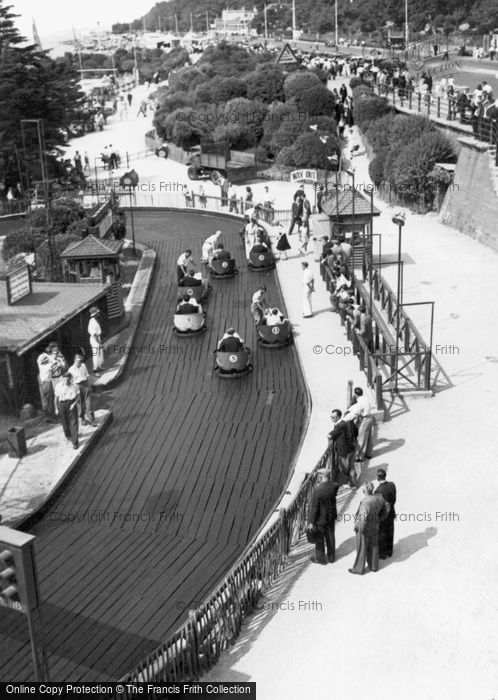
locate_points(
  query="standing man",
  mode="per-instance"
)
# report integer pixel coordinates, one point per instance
(372, 510)
(305, 236)
(297, 212)
(268, 206)
(322, 514)
(66, 402)
(258, 305)
(79, 373)
(95, 333)
(58, 365)
(308, 283)
(363, 411)
(77, 162)
(386, 528)
(182, 264)
(343, 436)
(87, 161)
(44, 362)
(365, 327)
(319, 198)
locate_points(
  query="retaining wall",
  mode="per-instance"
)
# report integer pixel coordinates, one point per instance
(471, 206)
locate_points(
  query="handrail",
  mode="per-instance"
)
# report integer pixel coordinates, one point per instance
(197, 644)
(483, 129)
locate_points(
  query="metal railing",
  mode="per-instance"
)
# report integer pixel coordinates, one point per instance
(196, 646)
(408, 356)
(476, 125)
(177, 199)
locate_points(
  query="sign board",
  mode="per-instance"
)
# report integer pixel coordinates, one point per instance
(303, 176)
(287, 56)
(18, 284)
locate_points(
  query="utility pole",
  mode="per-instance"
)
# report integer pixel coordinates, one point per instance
(294, 26)
(336, 26)
(191, 24)
(407, 31)
(266, 25)
(176, 25)
(207, 22)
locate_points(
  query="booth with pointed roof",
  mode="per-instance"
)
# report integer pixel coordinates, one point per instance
(351, 216)
(96, 260)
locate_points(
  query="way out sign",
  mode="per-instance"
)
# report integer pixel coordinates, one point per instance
(303, 176)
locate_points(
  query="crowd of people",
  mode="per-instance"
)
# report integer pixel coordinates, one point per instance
(351, 445)
(66, 391)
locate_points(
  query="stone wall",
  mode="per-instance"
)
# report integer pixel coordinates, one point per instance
(471, 205)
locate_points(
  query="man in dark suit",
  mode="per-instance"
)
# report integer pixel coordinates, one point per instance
(372, 510)
(322, 514)
(344, 438)
(386, 527)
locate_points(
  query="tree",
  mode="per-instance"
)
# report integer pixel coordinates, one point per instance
(316, 100)
(32, 85)
(297, 83)
(266, 83)
(309, 151)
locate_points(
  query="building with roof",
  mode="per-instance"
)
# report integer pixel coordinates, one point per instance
(351, 215)
(235, 21)
(96, 261)
(51, 312)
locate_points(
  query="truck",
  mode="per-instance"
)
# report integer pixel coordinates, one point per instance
(216, 160)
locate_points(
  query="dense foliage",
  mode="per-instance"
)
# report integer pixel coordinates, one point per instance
(32, 85)
(234, 96)
(358, 17)
(406, 149)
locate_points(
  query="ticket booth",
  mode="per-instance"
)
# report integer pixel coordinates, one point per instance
(96, 260)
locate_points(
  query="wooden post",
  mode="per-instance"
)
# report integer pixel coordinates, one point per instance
(349, 396)
(378, 391)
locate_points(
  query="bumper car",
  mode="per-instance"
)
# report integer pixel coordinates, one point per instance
(189, 324)
(261, 261)
(223, 268)
(232, 365)
(198, 292)
(277, 336)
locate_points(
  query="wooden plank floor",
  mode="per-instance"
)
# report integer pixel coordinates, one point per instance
(178, 485)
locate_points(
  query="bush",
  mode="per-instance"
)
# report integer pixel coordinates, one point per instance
(308, 151)
(279, 114)
(20, 241)
(246, 112)
(366, 109)
(408, 128)
(316, 100)
(186, 135)
(225, 89)
(411, 168)
(266, 83)
(297, 83)
(355, 82)
(185, 79)
(320, 74)
(239, 136)
(379, 132)
(376, 168)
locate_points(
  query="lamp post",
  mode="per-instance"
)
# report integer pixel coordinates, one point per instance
(128, 181)
(399, 219)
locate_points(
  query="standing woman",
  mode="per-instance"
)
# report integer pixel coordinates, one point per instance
(95, 333)
(283, 244)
